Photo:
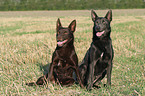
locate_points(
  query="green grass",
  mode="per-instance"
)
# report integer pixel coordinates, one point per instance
(27, 41)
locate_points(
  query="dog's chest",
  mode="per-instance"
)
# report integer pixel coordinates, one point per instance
(103, 49)
(62, 68)
(62, 63)
(105, 56)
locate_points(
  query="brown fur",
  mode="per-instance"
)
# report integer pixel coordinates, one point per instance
(64, 59)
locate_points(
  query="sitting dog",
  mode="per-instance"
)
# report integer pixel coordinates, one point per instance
(98, 59)
(64, 59)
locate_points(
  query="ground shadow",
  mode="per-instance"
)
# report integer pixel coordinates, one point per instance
(44, 68)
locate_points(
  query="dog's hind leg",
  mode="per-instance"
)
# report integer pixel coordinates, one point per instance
(41, 81)
(67, 81)
(56, 77)
(58, 83)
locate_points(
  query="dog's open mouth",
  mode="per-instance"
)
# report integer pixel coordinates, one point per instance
(99, 33)
(61, 43)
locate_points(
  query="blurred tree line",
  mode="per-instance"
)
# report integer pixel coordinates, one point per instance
(9, 5)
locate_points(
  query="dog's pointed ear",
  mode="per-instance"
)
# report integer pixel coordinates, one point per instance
(72, 26)
(109, 15)
(93, 15)
(58, 24)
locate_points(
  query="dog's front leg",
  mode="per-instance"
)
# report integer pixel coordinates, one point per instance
(90, 76)
(55, 59)
(50, 73)
(51, 69)
(79, 77)
(109, 67)
(93, 59)
(76, 69)
(109, 70)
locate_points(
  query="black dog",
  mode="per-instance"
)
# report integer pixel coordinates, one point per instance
(98, 59)
(64, 59)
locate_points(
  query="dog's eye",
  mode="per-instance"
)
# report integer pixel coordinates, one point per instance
(96, 22)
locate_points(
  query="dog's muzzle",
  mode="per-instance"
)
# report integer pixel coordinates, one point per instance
(61, 43)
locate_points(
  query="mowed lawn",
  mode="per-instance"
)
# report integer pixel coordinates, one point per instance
(27, 41)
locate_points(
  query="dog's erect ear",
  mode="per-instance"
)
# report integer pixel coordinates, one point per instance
(93, 15)
(72, 26)
(58, 24)
(109, 15)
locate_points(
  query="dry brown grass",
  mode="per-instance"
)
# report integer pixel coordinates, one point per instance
(27, 41)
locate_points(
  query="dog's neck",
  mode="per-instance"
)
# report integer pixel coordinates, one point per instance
(99, 39)
(65, 51)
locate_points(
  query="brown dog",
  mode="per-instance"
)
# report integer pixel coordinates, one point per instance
(64, 59)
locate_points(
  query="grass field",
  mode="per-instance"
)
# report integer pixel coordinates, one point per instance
(27, 41)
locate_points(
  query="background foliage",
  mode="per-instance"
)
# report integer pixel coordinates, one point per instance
(9, 5)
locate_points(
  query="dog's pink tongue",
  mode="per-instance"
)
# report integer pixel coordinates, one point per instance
(60, 43)
(99, 33)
